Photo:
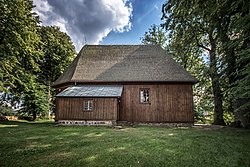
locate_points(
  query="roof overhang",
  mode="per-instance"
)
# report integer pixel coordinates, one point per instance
(92, 91)
(79, 82)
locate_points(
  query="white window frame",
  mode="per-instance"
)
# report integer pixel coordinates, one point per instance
(144, 95)
(88, 105)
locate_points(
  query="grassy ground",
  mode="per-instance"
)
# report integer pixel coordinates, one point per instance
(44, 144)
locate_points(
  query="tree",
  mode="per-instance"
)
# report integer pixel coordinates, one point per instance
(155, 35)
(18, 43)
(240, 41)
(5, 110)
(190, 21)
(58, 53)
(35, 98)
(189, 57)
(20, 54)
(31, 56)
(214, 26)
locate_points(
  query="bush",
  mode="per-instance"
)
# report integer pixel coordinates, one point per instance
(6, 111)
(27, 118)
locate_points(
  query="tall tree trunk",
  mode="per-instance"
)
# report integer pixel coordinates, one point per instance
(230, 60)
(34, 115)
(218, 111)
(231, 69)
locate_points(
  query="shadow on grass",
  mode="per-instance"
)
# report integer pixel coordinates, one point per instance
(42, 144)
(26, 123)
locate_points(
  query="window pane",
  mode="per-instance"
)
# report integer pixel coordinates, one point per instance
(144, 95)
(88, 105)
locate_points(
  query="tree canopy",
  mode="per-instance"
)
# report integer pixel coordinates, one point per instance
(20, 55)
(58, 52)
(155, 35)
(220, 30)
(31, 56)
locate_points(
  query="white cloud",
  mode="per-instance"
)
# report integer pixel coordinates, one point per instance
(85, 21)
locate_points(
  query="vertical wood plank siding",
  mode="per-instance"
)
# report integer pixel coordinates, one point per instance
(71, 108)
(168, 103)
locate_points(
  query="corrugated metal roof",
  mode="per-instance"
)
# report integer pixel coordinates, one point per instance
(92, 91)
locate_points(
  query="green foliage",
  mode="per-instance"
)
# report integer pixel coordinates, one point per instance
(240, 41)
(6, 110)
(229, 118)
(58, 52)
(221, 30)
(155, 35)
(31, 57)
(20, 54)
(44, 144)
(18, 44)
(193, 32)
(189, 56)
(204, 118)
(35, 99)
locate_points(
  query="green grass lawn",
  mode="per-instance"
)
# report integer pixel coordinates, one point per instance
(44, 144)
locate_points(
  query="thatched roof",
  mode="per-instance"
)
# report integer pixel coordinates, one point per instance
(124, 63)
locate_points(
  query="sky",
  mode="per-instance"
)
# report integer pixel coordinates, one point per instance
(106, 22)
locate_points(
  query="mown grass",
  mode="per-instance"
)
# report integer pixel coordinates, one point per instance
(44, 144)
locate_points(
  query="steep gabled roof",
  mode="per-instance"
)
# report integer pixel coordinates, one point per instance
(124, 63)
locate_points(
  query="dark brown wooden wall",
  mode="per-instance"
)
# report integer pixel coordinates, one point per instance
(72, 109)
(168, 103)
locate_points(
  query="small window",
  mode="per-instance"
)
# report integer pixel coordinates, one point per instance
(88, 105)
(144, 95)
